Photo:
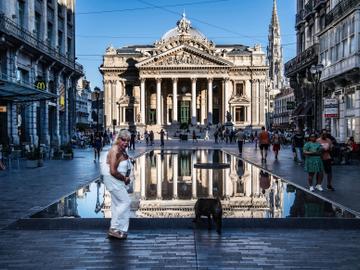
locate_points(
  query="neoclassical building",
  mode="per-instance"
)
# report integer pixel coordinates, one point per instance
(184, 78)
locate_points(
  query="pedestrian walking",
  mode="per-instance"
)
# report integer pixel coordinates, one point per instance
(256, 139)
(298, 144)
(146, 137)
(132, 140)
(117, 172)
(97, 145)
(206, 137)
(194, 136)
(264, 142)
(151, 137)
(162, 136)
(240, 136)
(275, 140)
(326, 157)
(313, 163)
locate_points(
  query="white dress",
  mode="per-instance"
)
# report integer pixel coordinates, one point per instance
(120, 200)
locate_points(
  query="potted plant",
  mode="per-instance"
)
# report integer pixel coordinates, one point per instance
(34, 158)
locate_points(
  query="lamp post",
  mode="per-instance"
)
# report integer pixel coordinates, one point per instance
(97, 95)
(315, 71)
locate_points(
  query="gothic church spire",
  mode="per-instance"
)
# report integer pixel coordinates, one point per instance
(274, 51)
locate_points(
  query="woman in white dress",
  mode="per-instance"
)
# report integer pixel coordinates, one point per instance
(117, 171)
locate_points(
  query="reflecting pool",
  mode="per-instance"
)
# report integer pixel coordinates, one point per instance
(168, 184)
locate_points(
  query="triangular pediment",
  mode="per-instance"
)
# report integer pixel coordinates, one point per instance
(183, 55)
(239, 99)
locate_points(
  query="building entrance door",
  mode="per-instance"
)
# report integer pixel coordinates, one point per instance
(184, 112)
(152, 117)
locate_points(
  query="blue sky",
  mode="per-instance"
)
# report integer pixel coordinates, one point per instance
(100, 23)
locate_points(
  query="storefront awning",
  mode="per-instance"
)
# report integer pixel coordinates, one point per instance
(17, 92)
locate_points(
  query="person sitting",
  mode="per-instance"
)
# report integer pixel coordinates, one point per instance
(349, 148)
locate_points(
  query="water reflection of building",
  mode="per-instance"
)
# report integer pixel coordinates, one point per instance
(168, 185)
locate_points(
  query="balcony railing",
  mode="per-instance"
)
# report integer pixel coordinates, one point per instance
(299, 17)
(11, 28)
(340, 9)
(317, 3)
(309, 9)
(302, 60)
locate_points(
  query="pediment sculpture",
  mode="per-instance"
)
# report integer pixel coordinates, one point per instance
(239, 99)
(184, 58)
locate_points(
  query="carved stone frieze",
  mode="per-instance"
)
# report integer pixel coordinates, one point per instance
(183, 58)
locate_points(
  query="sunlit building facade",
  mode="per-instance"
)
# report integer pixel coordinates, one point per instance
(184, 78)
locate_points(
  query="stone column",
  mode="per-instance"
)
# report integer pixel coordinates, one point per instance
(67, 108)
(65, 34)
(193, 177)
(253, 102)
(210, 174)
(44, 22)
(142, 101)
(210, 97)
(158, 101)
(193, 101)
(175, 176)
(57, 121)
(226, 176)
(107, 89)
(55, 26)
(112, 102)
(262, 102)
(158, 177)
(248, 93)
(226, 99)
(175, 102)
(202, 106)
(142, 178)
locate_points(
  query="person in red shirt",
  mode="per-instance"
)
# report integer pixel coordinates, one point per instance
(264, 142)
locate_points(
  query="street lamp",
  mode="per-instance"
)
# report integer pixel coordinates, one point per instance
(97, 95)
(315, 71)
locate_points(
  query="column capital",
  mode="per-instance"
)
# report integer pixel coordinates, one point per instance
(193, 79)
(175, 79)
(158, 80)
(142, 80)
(210, 79)
(226, 79)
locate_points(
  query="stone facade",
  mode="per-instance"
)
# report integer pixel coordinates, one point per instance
(38, 45)
(83, 104)
(340, 79)
(282, 117)
(184, 78)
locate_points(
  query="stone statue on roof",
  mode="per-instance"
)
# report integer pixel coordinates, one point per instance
(183, 25)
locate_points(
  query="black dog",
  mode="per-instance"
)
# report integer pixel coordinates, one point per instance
(209, 207)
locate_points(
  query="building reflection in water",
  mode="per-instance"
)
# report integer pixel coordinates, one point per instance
(167, 185)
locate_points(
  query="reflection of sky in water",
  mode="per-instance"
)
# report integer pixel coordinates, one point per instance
(288, 201)
(243, 189)
(87, 202)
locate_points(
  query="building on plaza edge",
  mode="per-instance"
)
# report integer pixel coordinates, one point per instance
(184, 78)
(38, 72)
